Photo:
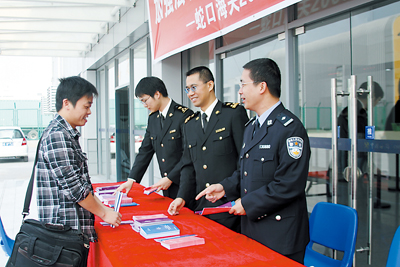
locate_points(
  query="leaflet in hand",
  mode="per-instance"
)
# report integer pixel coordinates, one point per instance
(149, 190)
(219, 209)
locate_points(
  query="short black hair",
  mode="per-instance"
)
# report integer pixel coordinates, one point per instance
(378, 92)
(149, 86)
(265, 70)
(205, 74)
(73, 88)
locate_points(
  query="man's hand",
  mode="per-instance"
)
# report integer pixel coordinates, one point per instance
(212, 193)
(238, 208)
(163, 184)
(176, 206)
(112, 217)
(125, 186)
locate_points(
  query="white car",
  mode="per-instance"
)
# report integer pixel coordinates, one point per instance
(13, 143)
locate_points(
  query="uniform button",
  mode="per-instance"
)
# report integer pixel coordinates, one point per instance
(259, 218)
(278, 217)
(204, 148)
(262, 159)
(247, 155)
(173, 138)
(207, 184)
(245, 173)
(163, 160)
(162, 145)
(204, 166)
(165, 174)
(245, 191)
(220, 138)
(190, 146)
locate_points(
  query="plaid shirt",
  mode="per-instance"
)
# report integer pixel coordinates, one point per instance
(63, 178)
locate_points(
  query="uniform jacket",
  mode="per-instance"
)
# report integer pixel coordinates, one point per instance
(167, 143)
(212, 156)
(271, 181)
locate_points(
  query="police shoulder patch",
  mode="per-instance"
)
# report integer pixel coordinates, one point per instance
(252, 119)
(295, 147)
(284, 119)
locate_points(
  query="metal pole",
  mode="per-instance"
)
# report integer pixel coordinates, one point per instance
(353, 135)
(370, 115)
(334, 173)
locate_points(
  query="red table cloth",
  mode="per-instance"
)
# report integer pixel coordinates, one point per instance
(122, 246)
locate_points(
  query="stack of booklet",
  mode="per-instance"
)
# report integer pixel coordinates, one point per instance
(213, 210)
(181, 241)
(155, 225)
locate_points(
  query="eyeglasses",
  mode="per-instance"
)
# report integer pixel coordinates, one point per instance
(243, 84)
(193, 88)
(144, 100)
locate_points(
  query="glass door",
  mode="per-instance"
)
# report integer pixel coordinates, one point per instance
(350, 48)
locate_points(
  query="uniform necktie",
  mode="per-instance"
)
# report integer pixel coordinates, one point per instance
(256, 127)
(162, 120)
(204, 118)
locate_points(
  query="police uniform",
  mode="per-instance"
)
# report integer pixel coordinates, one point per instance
(212, 156)
(271, 179)
(167, 143)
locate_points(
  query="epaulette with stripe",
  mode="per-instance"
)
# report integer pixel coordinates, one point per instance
(284, 119)
(181, 108)
(232, 105)
(191, 116)
(252, 119)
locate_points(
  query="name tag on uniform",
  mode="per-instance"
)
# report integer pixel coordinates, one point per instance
(172, 131)
(265, 146)
(220, 130)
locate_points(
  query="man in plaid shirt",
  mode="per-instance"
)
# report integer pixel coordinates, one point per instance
(62, 171)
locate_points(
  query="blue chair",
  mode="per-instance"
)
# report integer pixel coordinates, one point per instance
(6, 243)
(333, 226)
(394, 252)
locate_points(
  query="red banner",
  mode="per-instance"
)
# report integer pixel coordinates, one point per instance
(176, 25)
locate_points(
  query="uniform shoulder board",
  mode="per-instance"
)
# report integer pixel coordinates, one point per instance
(252, 119)
(181, 108)
(153, 112)
(190, 117)
(284, 119)
(232, 105)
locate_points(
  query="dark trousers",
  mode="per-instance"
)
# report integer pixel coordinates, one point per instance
(298, 256)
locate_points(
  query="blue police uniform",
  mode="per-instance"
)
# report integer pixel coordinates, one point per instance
(271, 182)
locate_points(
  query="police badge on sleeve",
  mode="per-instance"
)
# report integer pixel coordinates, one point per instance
(295, 147)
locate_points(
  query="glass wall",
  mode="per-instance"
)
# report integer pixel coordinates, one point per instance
(360, 43)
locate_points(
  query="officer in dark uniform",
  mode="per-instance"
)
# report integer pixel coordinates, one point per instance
(164, 136)
(212, 144)
(274, 160)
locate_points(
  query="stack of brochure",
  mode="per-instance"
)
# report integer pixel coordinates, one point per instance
(181, 241)
(139, 220)
(159, 230)
(105, 194)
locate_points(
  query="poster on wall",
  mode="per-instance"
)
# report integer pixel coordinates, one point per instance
(176, 25)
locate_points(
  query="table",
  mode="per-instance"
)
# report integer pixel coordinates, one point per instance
(122, 246)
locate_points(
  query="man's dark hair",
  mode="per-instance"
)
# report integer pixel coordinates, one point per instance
(265, 70)
(205, 74)
(378, 92)
(73, 88)
(149, 86)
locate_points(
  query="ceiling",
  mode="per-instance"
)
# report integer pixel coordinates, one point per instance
(56, 28)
